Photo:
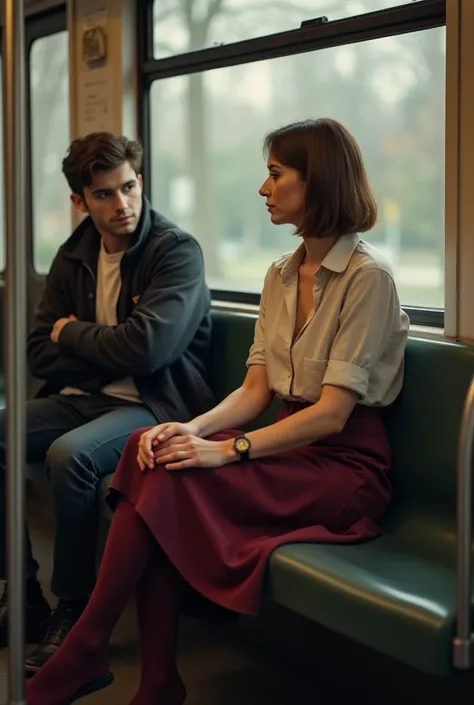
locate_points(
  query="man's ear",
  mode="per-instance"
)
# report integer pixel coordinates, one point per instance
(79, 203)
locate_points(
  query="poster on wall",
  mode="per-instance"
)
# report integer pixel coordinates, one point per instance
(96, 100)
(96, 89)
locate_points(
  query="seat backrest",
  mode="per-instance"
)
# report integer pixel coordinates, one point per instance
(423, 424)
(232, 336)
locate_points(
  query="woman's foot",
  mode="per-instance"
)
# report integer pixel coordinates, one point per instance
(173, 692)
(70, 674)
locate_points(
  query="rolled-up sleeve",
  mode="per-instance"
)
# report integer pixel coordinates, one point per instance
(366, 324)
(257, 354)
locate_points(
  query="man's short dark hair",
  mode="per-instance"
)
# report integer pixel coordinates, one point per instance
(98, 151)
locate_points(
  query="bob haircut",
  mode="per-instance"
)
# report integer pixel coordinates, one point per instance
(98, 151)
(339, 200)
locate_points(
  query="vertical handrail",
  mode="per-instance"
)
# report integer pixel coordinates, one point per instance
(15, 333)
(462, 652)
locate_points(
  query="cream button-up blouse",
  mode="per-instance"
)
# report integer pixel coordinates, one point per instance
(354, 338)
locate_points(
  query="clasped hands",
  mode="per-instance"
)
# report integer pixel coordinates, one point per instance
(178, 447)
(59, 325)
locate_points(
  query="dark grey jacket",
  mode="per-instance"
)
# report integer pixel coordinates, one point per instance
(163, 334)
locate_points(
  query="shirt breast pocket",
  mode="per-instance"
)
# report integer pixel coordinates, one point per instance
(314, 371)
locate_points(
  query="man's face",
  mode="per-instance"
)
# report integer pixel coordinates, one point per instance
(113, 200)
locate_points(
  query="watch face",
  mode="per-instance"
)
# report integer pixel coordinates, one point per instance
(242, 445)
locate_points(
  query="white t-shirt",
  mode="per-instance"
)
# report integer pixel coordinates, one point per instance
(109, 283)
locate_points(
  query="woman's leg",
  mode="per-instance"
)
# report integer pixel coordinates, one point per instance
(83, 656)
(158, 606)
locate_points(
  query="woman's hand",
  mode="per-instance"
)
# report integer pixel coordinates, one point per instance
(181, 452)
(157, 435)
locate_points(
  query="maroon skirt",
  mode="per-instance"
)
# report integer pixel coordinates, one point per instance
(219, 526)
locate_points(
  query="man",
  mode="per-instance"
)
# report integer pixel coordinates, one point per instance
(121, 338)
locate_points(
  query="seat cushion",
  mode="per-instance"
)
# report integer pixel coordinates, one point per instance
(395, 594)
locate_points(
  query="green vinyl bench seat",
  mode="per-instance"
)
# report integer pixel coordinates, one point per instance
(395, 594)
(388, 594)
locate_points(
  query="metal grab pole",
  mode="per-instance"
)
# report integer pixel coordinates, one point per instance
(462, 652)
(15, 330)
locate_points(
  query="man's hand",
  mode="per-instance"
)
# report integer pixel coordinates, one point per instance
(59, 325)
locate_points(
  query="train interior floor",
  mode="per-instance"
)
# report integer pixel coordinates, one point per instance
(278, 659)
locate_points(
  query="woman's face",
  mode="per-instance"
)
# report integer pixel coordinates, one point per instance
(284, 191)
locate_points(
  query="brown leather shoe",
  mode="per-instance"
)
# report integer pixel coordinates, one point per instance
(61, 621)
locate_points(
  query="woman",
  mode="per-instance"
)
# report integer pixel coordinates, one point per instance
(196, 506)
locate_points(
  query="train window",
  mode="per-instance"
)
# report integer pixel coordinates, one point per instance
(49, 91)
(206, 152)
(190, 25)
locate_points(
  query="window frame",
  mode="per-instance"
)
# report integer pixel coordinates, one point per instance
(419, 316)
(38, 26)
(402, 19)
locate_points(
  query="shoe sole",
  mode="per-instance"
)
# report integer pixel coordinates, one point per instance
(92, 687)
(33, 670)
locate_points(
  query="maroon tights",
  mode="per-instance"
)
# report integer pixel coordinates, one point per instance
(132, 561)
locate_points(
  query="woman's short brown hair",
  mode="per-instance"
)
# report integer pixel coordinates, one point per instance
(338, 196)
(98, 151)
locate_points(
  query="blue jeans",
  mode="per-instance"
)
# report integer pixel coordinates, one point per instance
(80, 439)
